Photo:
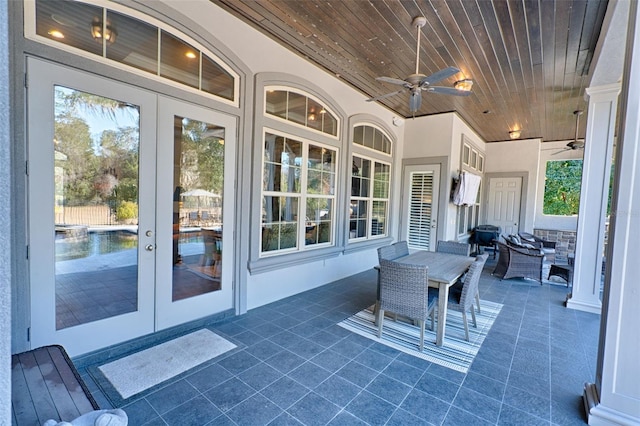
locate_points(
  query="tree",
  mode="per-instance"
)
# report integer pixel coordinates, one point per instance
(562, 187)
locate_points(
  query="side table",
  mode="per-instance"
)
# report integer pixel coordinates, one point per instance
(563, 271)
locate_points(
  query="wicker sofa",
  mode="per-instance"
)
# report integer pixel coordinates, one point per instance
(518, 262)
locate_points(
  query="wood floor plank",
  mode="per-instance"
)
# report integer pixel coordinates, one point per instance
(42, 402)
(65, 406)
(72, 382)
(22, 406)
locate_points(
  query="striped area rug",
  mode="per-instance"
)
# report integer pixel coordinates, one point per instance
(456, 353)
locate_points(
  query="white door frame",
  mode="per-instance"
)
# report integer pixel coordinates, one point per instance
(42, 76)
(413, 164)
(168, 312)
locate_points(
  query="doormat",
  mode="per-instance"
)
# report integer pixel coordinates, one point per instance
(144, 370)
(456, 353)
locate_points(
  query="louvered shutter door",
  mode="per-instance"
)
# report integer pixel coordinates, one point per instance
(420, 210)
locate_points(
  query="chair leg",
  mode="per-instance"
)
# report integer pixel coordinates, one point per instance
(473, 317)
(380, 319)
(466, 326)
(478, 301)
(433, 316)
(421, 335)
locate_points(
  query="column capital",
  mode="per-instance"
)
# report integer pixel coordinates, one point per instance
(604, 90)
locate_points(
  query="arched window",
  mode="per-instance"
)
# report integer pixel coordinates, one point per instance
(370, 183)
(299, 174)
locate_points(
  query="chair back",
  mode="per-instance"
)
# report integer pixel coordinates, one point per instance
(393, 251)
(471, 282)
(453, 247)
(404, 289)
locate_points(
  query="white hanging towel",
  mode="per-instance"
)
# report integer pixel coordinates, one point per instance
(467, 189)
(458, 194)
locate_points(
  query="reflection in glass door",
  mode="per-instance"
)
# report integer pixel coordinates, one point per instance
(96, 146)
(197, 209)
(195, 154)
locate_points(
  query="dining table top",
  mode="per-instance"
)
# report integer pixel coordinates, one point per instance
(443, 267)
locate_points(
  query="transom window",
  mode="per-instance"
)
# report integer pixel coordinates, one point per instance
(371, 137)
(300, 109)
(298, 194)
(132, 42)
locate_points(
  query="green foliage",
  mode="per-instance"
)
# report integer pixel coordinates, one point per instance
(562, 187)
(127, 210)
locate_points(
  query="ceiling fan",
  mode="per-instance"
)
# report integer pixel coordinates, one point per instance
(417, 83)
(575, 143)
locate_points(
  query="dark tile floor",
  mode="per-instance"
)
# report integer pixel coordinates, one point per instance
(296, 366)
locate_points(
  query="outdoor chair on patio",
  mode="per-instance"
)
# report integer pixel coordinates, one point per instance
(461, 298)
(458, 286)
(390, 252)
(404, 291)
(453, 247)
(518, 262)
(547, 247)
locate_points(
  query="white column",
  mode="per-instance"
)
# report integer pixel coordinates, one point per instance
(615, 396)
(594, 193)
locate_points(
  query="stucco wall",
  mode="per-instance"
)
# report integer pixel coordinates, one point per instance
(5, 231)
(263, 55)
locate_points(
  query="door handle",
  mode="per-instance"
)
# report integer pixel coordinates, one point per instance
(148, 247)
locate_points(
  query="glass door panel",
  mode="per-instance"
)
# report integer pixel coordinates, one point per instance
(193, 272)
(198, 178)
(96, 148)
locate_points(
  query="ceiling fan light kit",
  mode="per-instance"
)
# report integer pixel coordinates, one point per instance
(416, 83)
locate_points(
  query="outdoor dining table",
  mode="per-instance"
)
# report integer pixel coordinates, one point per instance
(444, 271)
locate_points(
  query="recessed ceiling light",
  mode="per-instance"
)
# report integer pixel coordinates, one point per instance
(190, 55)
(56, 34)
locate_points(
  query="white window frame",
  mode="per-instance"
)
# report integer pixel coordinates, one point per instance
(371, 199)
(472, 159)
(302, 196)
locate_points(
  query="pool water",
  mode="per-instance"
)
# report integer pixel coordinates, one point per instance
(99, 243)
(94, 244)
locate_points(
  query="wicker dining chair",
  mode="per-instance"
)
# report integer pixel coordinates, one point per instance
(404, 291)
(461, 299)
(453, 247)
(390, 252)
(458, 286)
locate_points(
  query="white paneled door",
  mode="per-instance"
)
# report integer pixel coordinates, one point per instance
(126, 206)
(503, 209)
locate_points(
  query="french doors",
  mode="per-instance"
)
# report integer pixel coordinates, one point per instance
(127, 215)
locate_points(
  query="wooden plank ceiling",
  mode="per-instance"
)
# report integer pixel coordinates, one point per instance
(529, 59)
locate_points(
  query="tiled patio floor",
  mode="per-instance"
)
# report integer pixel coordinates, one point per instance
(299, 367)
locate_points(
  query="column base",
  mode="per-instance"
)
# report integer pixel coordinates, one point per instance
(594, 307)
(597, 415)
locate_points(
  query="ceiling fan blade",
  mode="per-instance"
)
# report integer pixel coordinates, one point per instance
(440, 75)
(388, 95)
(447, 91)
(415, 100)
(393, 81)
